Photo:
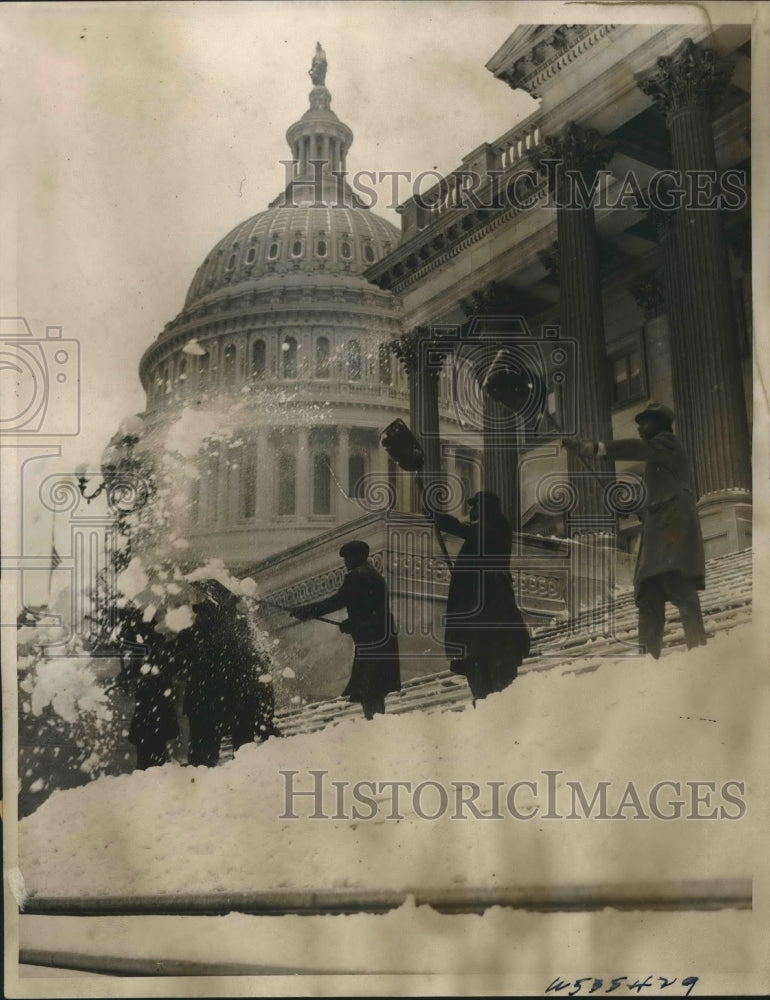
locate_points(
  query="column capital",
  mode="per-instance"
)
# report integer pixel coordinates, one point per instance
(664, 221)
(649, 293)
(688, 80)
(549, 258)
(491, 300)
(411, 350)
(575, 150)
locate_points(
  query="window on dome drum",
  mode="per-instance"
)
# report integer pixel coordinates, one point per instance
(203, 371)
(354, 361)
(212, 488)
(356, 471)
(258, 356)
(322, 357)
(320, 248)
(181, 374)
(465, 475)
(275, 249)
(385, 363)
(286, 483)
(251, 256)
(229, 364)
(231, 261)
(628, 376)
(248, 492)
(369, 255)
(346, 250)
(289, 358)
(322, 493)
(296, 248)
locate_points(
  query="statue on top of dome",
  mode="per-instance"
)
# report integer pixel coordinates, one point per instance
(317, 69)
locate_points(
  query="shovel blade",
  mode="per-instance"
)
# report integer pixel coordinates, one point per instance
(402, 446)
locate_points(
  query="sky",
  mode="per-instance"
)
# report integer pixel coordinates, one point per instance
(145, 132)
(139, 134)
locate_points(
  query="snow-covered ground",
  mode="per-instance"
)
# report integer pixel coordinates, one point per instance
(688, 718)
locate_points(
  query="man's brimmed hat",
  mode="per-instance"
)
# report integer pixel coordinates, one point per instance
(355, 548)
(656, 410)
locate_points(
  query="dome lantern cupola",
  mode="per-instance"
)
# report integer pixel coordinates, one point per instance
(319, 141)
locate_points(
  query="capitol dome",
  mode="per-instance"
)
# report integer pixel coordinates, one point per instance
(278, 367)
(294, 242)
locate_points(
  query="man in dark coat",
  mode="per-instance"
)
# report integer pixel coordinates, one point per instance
(154, 722)
(671, 562)
(227, 691)
(486, 638)
(376, 669)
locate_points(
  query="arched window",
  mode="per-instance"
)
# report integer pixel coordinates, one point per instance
(289, 359)
(229, 364)
(296, 248)
(275, 249)
(322, 494)
(369, 255)
(258, 355)
(346, 250)
(356, 470)
(181, 375)
(248, 492)
(320, 248)
(354, 360)
(251, 256)
(203, 371)
(385, 364)
(322, 357)
(212, 488)
(231, 261)
(286, 483)
(465, 474)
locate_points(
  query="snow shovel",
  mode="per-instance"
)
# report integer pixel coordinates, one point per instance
(406, 451)
(281, 607)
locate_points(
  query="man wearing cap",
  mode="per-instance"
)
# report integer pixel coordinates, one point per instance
(376, 668)
(485, 636)
(671, 562)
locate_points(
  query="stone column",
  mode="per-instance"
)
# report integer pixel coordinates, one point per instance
(423, 367)
(343, 468)
(681, 354)
(500, 464)
(266, 470)
(304, 480)
(685, 86)
(571, 162)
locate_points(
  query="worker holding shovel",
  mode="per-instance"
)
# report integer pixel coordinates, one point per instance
(485, 636)
(376, 668)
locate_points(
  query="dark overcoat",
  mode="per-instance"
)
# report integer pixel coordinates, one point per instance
(671, 533)
(482, 616)
(154, 719)
(376, 669)
(225, 686)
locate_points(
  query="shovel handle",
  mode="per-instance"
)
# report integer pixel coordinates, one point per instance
(436, 530)
(554, 423)
(281, 607)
